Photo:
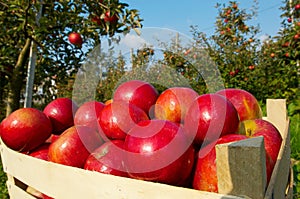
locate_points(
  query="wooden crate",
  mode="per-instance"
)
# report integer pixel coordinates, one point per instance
(63, 182)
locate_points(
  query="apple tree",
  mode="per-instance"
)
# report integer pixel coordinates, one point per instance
(281, 55)
(113, 72)
(187, 61)
(43, 27)
(233, 47)
(282, 71)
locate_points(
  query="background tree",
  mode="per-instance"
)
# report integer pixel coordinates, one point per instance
(234, 45)
(188, 59)
(280, 57)
(112, 73)
(57, 59)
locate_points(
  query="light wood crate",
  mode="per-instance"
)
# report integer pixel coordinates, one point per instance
(64, 182)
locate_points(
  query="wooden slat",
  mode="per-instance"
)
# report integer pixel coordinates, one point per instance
(277, 114)
(280, 177)
(63, 182)
(241, 168)
(16, 192)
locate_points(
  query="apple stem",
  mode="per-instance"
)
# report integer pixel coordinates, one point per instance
(249, 132)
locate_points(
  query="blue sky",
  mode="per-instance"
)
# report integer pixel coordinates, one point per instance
(179, 15)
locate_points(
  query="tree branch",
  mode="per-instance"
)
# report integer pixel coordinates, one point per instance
(23, 54)
(26, 19)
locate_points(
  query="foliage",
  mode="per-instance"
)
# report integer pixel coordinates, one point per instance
(233, 46)
(175, 63)
(268, 69)
(3, 189)
(57, 59)
(296, 170)
(295, 136)
(280, 57)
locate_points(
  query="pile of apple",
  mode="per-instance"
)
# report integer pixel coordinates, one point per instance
(168, 137)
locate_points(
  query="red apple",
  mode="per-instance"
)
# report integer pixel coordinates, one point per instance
(232, 73)
(108, 158)
(287, 54)
(272, 139)
(245, 103)
(118, 117)
(88, 113)
(173, 103)
(251, 67)
(137, 92)
(272, 55)
(41, 152)
(108, 17)
(46, 197)
(297, 6)
(52, 138)
(205, 176)
(61, 111)
(209, 117)
(159, 151)
(25, 129)
(75, 38)
(74, 145)
(286, 44)
(97, 20)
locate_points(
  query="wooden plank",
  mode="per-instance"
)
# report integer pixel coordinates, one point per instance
(289, 190)
(16, 192)
(279, 180)
(277, 114)
(63, 182)
(241, 168)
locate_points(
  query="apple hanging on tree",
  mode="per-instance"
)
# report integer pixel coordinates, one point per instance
(110, 18)
(97, 20)
(75, 38)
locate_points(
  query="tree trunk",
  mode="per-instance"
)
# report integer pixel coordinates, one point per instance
(16, 82)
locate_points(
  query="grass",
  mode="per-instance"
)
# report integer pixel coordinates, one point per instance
(3, 190)
(295, 155)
